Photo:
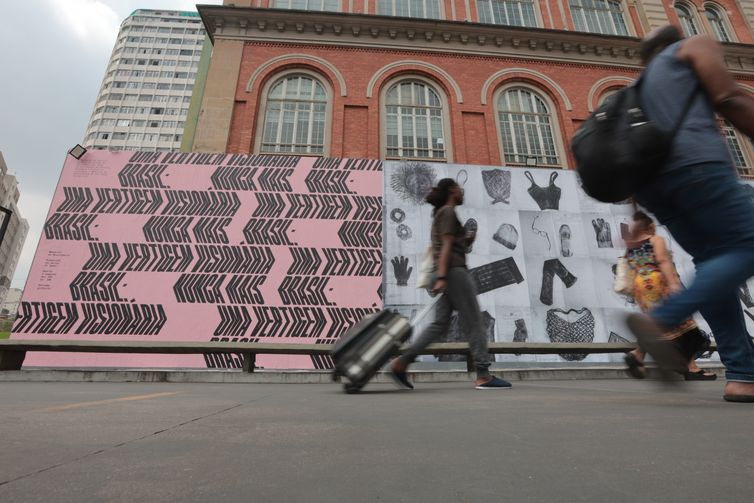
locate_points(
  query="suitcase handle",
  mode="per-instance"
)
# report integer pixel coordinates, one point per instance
(426, 309)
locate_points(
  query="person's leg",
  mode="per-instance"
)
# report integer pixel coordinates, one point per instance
(463, 298)
(711, 216)
(726, 320)
(440, 325)
(436, 329)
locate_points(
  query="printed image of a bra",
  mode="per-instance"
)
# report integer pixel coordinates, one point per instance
(547, 198)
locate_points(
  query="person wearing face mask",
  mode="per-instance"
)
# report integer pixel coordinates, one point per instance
(450, 243)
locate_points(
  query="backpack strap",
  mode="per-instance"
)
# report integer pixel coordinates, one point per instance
(553, 176)
(686, 108)
(690, 101)
(530, 177)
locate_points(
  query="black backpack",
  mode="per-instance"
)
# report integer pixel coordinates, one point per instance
(618, 148)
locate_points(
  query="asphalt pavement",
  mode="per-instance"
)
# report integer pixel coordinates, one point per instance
(543, 441)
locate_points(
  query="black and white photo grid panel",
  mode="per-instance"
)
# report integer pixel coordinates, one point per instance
(543, 261)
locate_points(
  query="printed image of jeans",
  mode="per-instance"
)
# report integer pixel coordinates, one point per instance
(550, 269)
(711, 215)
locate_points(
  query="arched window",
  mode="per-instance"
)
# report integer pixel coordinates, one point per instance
(737, 149)
(717, 22)
(599, 16)
(526, 128)
(687, 18)
(428, 9)
(607, 94)
(507, 12)
(295, 116)
(414, 122)
(321, 5)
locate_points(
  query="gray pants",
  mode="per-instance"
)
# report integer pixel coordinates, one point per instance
(461, 296)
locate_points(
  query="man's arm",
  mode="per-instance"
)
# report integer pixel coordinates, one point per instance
(706, 57)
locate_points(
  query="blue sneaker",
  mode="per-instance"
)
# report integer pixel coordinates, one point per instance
(495, 383)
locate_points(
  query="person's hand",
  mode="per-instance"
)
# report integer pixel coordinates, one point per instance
(440, 286)
(401, 270)
(674, 288)
(470, 237)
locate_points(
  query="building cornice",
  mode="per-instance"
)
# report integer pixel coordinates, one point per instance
(435, 36)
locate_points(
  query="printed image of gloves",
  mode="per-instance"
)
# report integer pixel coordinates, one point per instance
(401, 270)
(602, 231)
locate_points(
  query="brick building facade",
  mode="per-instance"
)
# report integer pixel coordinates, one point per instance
(487, 82)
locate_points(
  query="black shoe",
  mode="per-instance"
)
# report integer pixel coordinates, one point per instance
(495, 383)
(400, 378)
(699, 375)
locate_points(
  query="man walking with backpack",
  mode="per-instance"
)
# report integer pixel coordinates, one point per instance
(695, 192)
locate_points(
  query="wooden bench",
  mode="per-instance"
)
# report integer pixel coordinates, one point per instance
(13, 352)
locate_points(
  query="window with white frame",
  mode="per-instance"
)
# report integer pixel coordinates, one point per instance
(321, 5)
(737, 149)
(507, 12)
(427, 9)
(687, 19)
(414, 123)
(295, 116)
(599, 16)
(526, 128)
(717, 22)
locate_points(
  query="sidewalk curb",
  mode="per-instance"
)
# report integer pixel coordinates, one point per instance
(304, 376)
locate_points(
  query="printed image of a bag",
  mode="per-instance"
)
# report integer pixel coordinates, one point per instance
(572, 326)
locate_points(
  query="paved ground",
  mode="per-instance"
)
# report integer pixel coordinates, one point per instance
(600, 441)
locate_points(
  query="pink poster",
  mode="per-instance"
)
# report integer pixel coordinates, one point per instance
(204, 247)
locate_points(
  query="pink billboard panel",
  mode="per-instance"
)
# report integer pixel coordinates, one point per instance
(204, 247)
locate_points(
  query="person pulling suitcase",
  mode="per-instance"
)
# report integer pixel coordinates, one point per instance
(453, 282)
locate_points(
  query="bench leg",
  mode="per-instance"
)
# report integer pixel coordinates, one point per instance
(249, 362)
(12, 360)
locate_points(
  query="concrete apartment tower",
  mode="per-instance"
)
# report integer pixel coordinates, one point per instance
(145, 94)
(15, 234)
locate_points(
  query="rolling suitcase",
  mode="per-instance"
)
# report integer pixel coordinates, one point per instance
(365, 348)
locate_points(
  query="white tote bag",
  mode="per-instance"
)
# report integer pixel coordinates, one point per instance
(624, 278)
(426, 270)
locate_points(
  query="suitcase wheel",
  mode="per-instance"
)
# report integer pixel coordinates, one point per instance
(351, 388)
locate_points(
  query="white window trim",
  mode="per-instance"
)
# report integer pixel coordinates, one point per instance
(555, 123)
(262, 112)
(744, 144)
(443, 15)
(447, 131)
(626, 20)
(289, 2)
(537, 15)
(724, 17)
(694, 16)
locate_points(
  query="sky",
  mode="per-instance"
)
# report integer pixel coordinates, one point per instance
(53, 55)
